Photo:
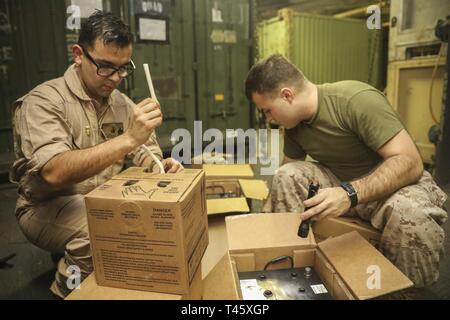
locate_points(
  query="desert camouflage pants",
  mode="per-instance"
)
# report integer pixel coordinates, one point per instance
(409, 220)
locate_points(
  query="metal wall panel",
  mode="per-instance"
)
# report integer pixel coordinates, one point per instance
(409, 83)
(171, 66)
(7, 90)
(412, 25)
(326, 49)
(222, 47)
(414, 53)
(198, 73)
(33, 37)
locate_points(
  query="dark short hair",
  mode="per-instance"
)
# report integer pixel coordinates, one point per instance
(106, 26)
(269, 74)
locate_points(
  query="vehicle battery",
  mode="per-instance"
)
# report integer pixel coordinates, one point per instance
(283, 284)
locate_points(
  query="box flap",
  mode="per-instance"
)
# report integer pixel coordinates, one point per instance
(271, 230)
(228, 170)
(254, 189)
(333, 227)
(359, 263)
(220, 284)
(227, 205)
(162, 188)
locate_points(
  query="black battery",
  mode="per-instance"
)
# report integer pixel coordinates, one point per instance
(283, 284)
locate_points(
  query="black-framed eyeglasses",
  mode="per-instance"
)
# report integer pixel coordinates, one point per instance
(107, 71)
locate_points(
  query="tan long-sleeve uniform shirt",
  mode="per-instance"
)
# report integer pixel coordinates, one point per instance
(56, 117)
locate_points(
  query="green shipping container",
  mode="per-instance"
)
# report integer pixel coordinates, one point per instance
(198, 52)
(32, 50)
(200, 69)
(169, 55)
(223, 59)
(326, 49)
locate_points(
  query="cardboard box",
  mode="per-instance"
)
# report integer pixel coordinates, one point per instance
(218, 244)
(219, 182)
(148, 231)
(333, 227)
(90, 290)
(230, 188)
(233, 195)
(342, 262)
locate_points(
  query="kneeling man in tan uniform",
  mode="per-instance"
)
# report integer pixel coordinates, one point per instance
(71, 135)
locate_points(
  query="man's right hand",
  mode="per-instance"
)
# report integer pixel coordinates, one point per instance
(147, 117)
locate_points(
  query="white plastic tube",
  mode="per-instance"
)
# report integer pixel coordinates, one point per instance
(150, 83)
(153, 96)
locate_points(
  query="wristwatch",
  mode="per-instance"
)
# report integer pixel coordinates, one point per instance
(351, 192)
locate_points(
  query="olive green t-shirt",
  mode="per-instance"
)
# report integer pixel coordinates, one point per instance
(353, 121)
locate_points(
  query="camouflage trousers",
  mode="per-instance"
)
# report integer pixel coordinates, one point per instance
(409, 219)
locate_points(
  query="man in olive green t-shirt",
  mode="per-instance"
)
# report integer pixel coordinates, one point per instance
(367, 165)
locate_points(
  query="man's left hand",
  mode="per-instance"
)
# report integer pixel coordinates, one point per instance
(170, 166)
(329, 202)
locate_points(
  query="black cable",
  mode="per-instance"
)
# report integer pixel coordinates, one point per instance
(278, 260)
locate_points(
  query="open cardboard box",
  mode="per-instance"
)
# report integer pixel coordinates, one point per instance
(148, 231)
(90, 290)
(333, 227)
(233, 195)
(341, 262)
(231, 187)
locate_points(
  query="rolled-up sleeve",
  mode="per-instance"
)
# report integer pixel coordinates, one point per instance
(140, 155)
(44, 130)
